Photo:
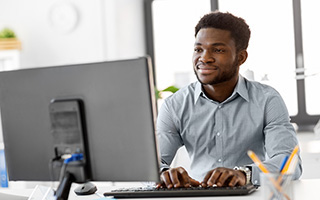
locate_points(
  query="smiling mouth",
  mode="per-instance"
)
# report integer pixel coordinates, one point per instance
(205, 69)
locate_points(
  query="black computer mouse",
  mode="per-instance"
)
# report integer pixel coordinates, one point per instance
(86, 189)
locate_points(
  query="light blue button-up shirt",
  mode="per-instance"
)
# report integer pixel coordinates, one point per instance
(217, 134)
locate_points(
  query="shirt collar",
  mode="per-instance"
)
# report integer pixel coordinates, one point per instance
(241, 89)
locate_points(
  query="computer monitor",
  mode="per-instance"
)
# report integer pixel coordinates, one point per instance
(105, 111)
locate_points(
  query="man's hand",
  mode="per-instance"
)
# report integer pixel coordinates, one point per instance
(224, 177)
(176, 177)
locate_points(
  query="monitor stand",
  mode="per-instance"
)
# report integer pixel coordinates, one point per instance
(68, 127)
(72, 172)
(63, 190)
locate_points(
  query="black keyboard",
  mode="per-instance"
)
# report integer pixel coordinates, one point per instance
(149, 192)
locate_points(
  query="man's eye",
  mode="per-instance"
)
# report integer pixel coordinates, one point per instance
(197, 50)
(219, 50)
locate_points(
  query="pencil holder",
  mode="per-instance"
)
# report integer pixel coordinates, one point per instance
(276, 186)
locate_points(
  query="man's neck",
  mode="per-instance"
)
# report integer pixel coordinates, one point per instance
(220, 92)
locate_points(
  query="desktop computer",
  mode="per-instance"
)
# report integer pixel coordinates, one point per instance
(78, 123)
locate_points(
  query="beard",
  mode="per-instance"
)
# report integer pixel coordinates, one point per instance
(223, 77)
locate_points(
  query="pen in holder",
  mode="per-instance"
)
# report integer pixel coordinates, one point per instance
(283, 190)
(277, 186)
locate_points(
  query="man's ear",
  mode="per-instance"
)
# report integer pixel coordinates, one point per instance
(243, 55)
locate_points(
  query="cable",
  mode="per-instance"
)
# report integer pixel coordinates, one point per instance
(74, 157)
(67, 159)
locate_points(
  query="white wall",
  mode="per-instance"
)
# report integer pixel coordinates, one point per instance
(56, 32)
(125, 35)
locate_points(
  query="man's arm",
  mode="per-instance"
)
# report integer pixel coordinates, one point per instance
(169, 142)
(280, 138)
(169, 139)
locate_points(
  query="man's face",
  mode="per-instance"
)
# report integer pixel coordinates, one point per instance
(214, 58)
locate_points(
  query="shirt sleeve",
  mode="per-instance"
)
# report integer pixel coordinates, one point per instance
(169, 139)
(280, 138)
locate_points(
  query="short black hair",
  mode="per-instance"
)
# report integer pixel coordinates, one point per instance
(239, 29)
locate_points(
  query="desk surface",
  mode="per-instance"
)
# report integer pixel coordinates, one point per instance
(303, 189)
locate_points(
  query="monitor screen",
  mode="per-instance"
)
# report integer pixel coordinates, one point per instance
(40, 118)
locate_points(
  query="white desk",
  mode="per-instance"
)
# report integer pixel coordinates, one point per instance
(303, 189)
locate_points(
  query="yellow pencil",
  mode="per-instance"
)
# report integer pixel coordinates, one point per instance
(257, 161)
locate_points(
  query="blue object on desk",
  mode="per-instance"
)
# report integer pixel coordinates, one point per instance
(3, 170)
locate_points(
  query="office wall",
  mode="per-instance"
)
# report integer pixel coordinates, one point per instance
(56, 32)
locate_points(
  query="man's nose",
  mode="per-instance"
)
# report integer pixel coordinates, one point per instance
(206, 57)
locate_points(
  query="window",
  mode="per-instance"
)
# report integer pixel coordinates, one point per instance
(311, 43)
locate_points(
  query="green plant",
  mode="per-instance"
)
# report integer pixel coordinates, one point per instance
(7, 33)
(171, 89)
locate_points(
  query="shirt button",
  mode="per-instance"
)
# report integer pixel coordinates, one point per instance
(219, 160)
(218, 134)
(220, 106)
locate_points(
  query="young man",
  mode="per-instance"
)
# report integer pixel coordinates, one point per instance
(223, 115)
